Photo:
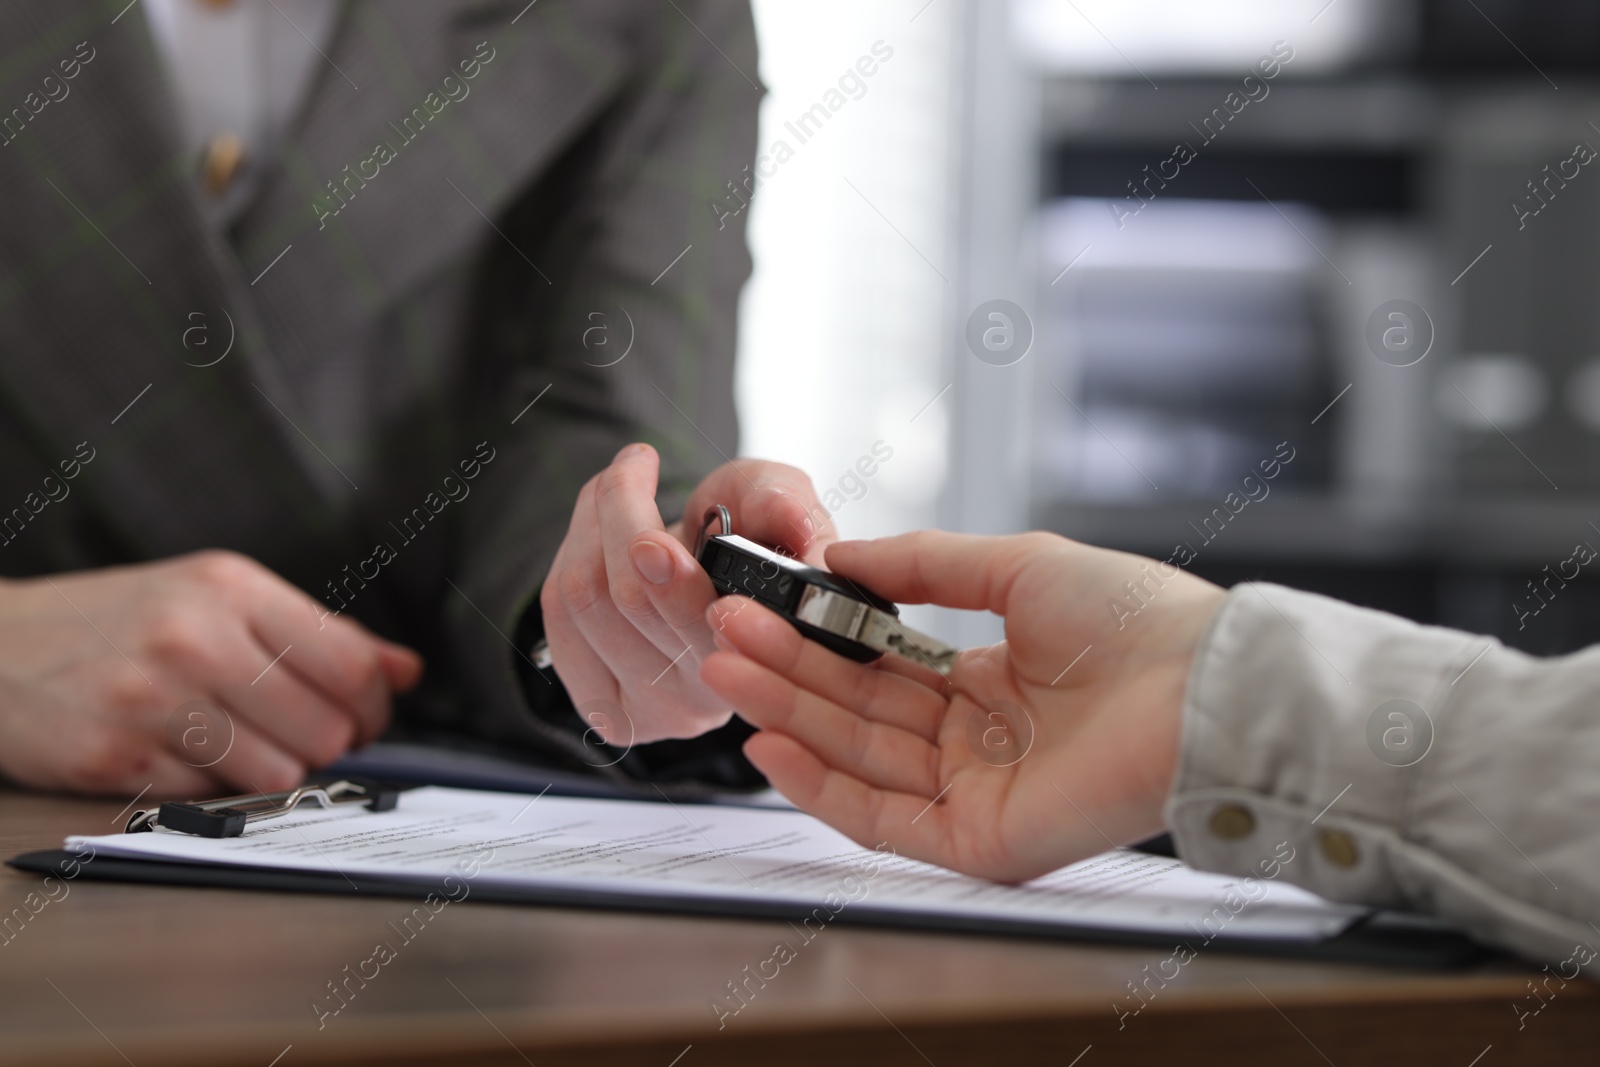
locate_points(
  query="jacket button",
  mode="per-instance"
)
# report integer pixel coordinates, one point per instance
(1338, 848)
(224, 154)
(1232, 821)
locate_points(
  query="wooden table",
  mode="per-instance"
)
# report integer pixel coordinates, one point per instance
(164, 977)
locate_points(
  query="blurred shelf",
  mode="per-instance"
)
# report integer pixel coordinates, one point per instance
(1485, 532)
(1381, 113)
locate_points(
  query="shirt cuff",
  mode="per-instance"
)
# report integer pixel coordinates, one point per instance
(1303, 728)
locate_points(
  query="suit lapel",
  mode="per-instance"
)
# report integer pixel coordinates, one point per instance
(400, 160)
(118, 299)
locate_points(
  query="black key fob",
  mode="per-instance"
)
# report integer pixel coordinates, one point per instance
(834, 612)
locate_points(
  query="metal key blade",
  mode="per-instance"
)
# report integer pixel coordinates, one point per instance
(876, 629)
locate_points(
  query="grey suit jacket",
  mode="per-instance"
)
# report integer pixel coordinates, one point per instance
(314, 386)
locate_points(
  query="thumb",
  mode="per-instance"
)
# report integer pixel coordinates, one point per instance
(935, 567)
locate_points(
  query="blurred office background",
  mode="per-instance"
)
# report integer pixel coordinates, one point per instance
(1384, 254)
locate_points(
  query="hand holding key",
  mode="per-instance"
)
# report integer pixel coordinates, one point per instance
(1030, 757)
(624, 603)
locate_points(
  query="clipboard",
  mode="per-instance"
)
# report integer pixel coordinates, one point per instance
(1382, 939)
(1370, 938)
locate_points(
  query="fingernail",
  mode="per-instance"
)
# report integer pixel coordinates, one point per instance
(629, 450)
(653, 562)
(287, 771)
(722, 642)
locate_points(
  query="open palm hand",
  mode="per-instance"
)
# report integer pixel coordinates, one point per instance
(1051, 746)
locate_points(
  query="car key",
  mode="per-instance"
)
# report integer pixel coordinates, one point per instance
(833, 611)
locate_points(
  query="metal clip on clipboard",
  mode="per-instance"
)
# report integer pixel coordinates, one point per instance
(228, 816)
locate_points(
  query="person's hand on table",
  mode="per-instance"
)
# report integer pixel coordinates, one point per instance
(96, 668)
(888, 752)
(625, 601)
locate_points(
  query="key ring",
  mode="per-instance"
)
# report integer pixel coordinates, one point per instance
(718, 514)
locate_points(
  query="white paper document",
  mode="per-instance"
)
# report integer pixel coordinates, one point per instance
(665, 853)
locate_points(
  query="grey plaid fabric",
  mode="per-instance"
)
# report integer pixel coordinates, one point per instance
(373, 348)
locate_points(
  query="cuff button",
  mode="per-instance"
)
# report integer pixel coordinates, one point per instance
(1232, 821)
(1338, 848)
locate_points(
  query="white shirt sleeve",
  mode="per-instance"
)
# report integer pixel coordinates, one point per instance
(1405, 766)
